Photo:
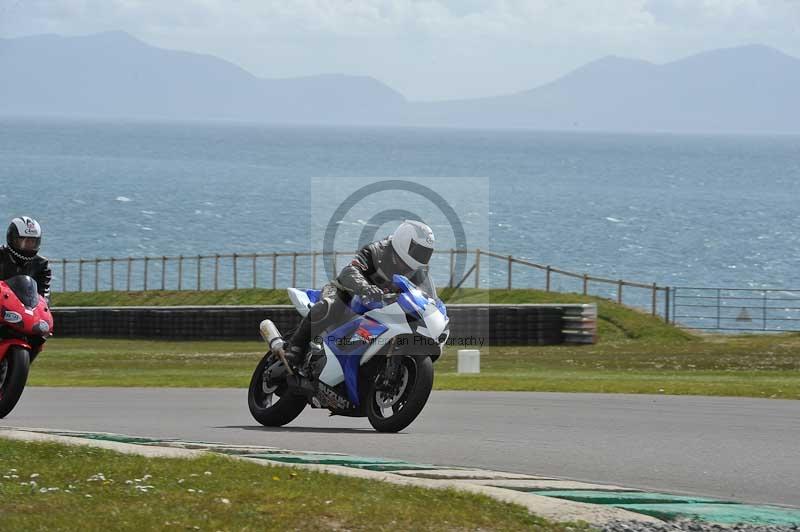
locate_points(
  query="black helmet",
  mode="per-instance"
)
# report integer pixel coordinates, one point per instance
(24, 237)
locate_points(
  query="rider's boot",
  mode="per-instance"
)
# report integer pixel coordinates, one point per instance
(295, 355)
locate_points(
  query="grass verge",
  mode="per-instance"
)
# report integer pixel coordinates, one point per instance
(752, 366)
(46, 486)
(637, 353)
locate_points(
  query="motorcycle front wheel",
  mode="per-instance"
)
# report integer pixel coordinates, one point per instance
(266, 403)
(13, 375)
(392, 410)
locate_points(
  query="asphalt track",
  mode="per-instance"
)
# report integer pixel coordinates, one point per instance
(733, 448)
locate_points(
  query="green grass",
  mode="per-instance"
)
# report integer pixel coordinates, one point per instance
(637, 353)
(753, 366)
(46, 486)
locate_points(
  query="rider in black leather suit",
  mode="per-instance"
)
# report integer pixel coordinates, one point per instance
(368, 275)
(20, 255)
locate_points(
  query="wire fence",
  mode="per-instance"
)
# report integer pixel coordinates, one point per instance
(736, 309)
(282, 269)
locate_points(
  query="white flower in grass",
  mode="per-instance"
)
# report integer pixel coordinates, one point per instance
(88, 496)
(207, 473)
(224, 501)
(35, 475)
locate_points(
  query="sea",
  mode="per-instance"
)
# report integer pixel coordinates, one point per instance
(678, 210)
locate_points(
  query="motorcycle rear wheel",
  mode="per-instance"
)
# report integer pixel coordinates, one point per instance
(14, 370)
(393, 413)
(262, 399)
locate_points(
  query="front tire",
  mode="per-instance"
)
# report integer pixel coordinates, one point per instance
(262, 399)
(394, 413)
(13, 375)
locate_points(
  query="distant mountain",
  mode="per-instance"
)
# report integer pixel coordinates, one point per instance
(750, 88)
(115, 74)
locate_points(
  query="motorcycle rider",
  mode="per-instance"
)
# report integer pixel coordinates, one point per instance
(20, 255)
(368, 275)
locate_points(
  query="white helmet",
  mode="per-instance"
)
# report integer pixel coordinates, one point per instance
(413, 242)
(24, 236)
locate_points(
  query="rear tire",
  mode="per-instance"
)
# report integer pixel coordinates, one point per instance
(411, 401)
(261, 401)
(13, 376)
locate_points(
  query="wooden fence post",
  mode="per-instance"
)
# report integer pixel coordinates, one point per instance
(199, 259)
(96, 274)
(619, 291)
(294, 268)
(585, 284)
(655, 299)
(667, 309)
(548, 279)
(80, 275)
(255, 277)
(313, 269)
(452, 267)
(235, 272)
(477, 268)
(128, 282)
(163, 272)
(274, 269)
(216, 271)
(64, 275)
(510, 259)
(146, 264)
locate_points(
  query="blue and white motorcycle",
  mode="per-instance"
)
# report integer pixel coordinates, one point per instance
(377, 364)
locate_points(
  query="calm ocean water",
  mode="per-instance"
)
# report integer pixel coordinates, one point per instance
(677, 210)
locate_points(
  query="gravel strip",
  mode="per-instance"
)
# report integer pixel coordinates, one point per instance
(694, 526)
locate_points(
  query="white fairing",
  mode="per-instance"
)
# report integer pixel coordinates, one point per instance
(332, 373)
(300, 300)
(435, 322)
(392, 316)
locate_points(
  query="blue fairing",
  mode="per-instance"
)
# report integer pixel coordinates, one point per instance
(412, 299)
(441, 307)
(350, 341)
(348, 354)
(313, 295)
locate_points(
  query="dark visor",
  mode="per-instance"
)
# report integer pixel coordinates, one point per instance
(420, 253)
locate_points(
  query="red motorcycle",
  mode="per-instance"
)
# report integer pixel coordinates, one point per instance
(25, 322)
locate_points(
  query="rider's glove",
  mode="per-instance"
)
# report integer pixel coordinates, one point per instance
(371, 294)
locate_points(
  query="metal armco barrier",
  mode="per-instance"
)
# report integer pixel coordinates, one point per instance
(471, 325)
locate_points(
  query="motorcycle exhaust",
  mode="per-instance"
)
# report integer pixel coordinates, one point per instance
(271, 335)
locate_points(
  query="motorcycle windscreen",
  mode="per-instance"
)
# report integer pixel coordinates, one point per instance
(421, 279)
(26, 290)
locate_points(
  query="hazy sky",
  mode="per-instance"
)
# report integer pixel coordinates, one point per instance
(426, 49)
